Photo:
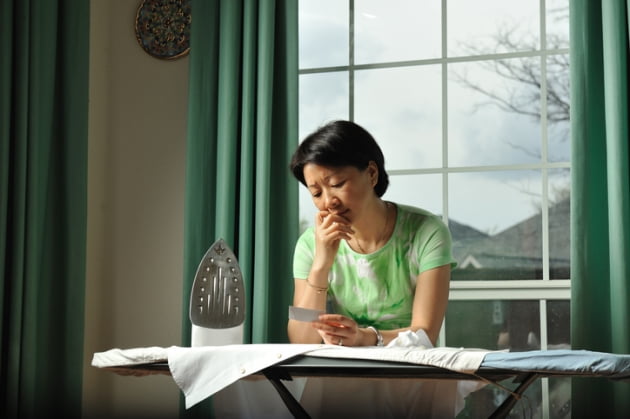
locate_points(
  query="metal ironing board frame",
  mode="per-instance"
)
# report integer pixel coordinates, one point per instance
(312, 366)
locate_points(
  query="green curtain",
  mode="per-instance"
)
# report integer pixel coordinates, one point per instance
(242, 129)
(43, 170)
(600, 300)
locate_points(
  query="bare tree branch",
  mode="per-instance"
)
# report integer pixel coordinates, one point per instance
(525, 74)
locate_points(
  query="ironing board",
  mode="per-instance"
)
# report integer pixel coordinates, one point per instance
(523, 367)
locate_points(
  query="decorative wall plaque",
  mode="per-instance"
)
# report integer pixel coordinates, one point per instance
(163, 27)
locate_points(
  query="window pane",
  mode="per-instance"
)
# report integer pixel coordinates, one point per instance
(484, 402)
(560, 224)
(558, 324)
(496, 224)
(474, 324)
(423, 191)
(323, 97)
(401, 107)
(557, 24)
(492, 118)
(560, 398)
(323, 33)
(492, 26)
(558, 106)
(504, 324)
(389, 31)
(559, 337)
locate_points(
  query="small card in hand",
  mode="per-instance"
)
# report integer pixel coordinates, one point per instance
(304, 314)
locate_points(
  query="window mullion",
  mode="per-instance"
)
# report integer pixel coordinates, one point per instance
(351, 61)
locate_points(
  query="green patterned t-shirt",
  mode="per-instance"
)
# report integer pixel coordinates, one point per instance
(377, 289)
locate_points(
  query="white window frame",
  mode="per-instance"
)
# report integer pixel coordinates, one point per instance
(540, 290)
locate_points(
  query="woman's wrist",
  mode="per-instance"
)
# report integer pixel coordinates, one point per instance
(375, 332)
(317, 278)
(322, 264)
(318, 289)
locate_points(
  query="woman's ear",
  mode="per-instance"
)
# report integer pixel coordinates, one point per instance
(373, 172)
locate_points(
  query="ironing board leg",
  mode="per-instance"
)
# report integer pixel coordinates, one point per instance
(292, 404)
(507, 405)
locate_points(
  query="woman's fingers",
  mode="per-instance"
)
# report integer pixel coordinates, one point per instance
(326, 219)
(330, 329)
(335, 328)
(337, 319)
(334, 227)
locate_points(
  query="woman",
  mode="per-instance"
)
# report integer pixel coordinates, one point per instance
(382, 268)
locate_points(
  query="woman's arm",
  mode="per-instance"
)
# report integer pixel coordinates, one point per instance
(430, 301)
(307, 295)
(330, 229)
(429, 308)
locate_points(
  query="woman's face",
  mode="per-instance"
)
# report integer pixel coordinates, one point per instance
(344, 191)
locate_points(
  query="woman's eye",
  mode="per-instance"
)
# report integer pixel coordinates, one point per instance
(316, 195)
(338, 185)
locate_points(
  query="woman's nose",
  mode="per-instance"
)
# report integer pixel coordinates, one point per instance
(332, 202)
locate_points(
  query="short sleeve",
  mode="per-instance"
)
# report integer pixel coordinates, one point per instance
(434, 245)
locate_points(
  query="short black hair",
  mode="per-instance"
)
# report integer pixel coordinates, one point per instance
(340, 143)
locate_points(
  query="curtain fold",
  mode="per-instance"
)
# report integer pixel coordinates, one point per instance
(43, 174)
(600, 300)
(242, 129)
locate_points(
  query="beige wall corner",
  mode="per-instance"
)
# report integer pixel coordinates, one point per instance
(137, 145)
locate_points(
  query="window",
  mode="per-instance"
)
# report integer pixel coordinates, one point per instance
(470, 104)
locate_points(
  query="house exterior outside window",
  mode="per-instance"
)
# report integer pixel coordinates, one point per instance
(470, 104)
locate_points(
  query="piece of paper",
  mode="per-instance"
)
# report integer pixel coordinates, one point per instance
(304, 314)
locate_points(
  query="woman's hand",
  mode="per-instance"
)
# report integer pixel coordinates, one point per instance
(336, 329)
(330, 229)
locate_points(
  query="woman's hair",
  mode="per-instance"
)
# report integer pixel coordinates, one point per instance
(338, 144)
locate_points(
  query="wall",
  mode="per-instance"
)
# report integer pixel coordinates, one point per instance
(137, 139)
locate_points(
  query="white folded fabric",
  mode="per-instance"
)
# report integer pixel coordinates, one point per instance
(200, 372)
(125, 357)
(454, 359)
